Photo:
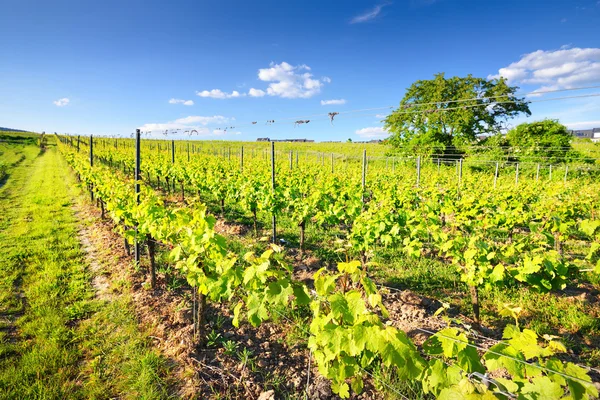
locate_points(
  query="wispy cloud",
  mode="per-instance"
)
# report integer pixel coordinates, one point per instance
(421, 3)
(180, 101)
(583, 124)
(221, 132)
(196, 122)
(373, 132)
(61, 102)
(369, 15)
(333, 102)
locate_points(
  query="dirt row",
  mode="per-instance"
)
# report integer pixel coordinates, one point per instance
(276, 363)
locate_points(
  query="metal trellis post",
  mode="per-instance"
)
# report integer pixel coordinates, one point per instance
(273, 189)
(137, 192)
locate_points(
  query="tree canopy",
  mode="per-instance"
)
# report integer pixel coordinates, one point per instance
(441, 114)
(546, 141)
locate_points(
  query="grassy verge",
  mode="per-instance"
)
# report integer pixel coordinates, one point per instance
(56, 339)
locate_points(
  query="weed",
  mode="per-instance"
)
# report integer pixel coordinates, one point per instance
(213, 339)
(230, 347)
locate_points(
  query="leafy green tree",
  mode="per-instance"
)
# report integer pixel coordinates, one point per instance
(441, 114)
(546, 141)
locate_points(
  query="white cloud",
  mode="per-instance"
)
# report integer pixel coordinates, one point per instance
(381, 115)
(221, 132)
(368, 15)
(582, 124)
(288, 81)
(61, 102)
(374, 132)
(196, 122)
(197, 119)
(219, 94)
(180, 101)
(555, 69)
(285, 80)
(333, 102)
(256, 92)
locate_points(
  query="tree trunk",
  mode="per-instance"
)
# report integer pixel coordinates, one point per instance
(255, 224)
(127, 248)
(363, 258)
(475, 302)
(150, 243)
(557, 243)
(168, 185)
(200, 316)
(222, 208)
(102, 209)
(182, 192)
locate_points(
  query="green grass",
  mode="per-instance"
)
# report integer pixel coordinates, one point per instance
(56, 340)
(11, 154)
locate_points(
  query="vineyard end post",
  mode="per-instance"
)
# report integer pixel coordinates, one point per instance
(137, 192)
(496, 175)
(418, 171)
(332, 163)
(173, 151)
(91, 165)
(273, 189)
(364, 174)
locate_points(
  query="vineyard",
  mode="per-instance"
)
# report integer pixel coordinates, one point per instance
(332, 240)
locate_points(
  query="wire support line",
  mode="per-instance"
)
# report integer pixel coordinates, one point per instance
(481, 348)
(475, 334)
(408, 111)
(446, 102)
(414, 105)
(306, 332)
(497, 341)
(441, 110)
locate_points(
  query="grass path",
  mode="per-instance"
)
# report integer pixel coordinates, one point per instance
(58, 341)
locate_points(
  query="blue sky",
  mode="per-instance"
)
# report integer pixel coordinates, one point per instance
(107, 67)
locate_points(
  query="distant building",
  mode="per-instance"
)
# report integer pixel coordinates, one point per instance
(583, 133)
(370, 141)
(593, 134)
(284, 140)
